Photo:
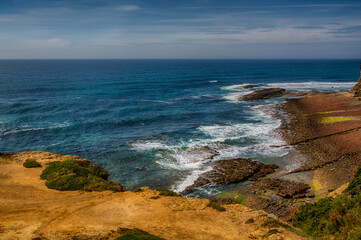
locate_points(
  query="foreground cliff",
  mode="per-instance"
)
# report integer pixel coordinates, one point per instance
(28, 210)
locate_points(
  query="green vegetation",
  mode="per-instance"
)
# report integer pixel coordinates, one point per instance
(339, 217)
(216, 206)
(234, 195)
(330, 189)
(166, 192)
(330, 120)
(136, 234)
(138, 190)
(31, 164)
(78, 175)
(316, 113)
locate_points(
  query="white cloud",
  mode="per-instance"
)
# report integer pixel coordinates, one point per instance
(48, 43)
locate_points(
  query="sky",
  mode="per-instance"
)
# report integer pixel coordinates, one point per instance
(167, 29)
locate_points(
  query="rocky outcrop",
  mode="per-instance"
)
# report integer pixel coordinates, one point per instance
(356, 90)
(248, 86)
(282, 188)
(277, 196)
(263, 94)
(232, 171)
(280, 209)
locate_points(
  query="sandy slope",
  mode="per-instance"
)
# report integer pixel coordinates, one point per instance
(28, 210)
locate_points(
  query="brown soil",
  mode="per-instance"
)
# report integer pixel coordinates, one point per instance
(333, 149)
(30, 210)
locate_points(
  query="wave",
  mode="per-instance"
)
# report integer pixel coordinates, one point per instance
(22, 130)
(318, 86)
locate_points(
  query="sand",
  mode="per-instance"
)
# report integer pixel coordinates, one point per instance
(28, 209)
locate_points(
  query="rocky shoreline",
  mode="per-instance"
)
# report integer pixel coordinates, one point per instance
(324, 127)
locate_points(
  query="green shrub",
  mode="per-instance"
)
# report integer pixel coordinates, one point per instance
(78, 175)
(138, 190)
(166, 192)
(31, 164)
(216, 206)
(136, 234)
(339, 217)
(355, 185)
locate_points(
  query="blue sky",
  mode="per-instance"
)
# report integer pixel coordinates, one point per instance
(180, 29)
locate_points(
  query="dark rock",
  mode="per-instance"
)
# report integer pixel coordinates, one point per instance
(279, 209)
(263, 94)
(283, 188)
(232, 171)
(248, 86)
(310, 195)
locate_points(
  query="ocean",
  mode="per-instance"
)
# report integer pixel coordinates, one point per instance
(147, 121)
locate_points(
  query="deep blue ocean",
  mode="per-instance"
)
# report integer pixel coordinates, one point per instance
(144, 120)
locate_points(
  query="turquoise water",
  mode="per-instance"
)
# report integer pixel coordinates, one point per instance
(153, 114)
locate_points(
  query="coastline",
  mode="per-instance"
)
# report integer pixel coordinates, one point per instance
(28, 210)
(325, 127)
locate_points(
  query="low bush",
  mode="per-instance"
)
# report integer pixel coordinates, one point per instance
(138, 190)
(31, 164)
(216, 206)
(78, 175)
(339, 217)
(136, 234)
(166, 192)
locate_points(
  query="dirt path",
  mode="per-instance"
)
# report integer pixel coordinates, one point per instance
(29, 210)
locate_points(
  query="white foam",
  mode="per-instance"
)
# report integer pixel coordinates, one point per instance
(189, 180)
(318, 86)
(237, 87)
(27, 129)
(234, 96)
(149, 145)
(213, 81)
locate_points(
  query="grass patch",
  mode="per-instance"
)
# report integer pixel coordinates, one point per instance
(216, 206)
(339, 217)
(234, 195)
(78, 175)
(166, 192)
(317, 113)
(264, 197)
(138, 190)
(136, 234)
(330, 120)
(31, 164)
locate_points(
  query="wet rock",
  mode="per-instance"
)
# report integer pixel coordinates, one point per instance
(232, 171)
(204, 152)
(263, 94)
(283, 188)
(249, 86)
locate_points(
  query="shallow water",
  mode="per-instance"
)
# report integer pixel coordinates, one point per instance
(131, 114)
